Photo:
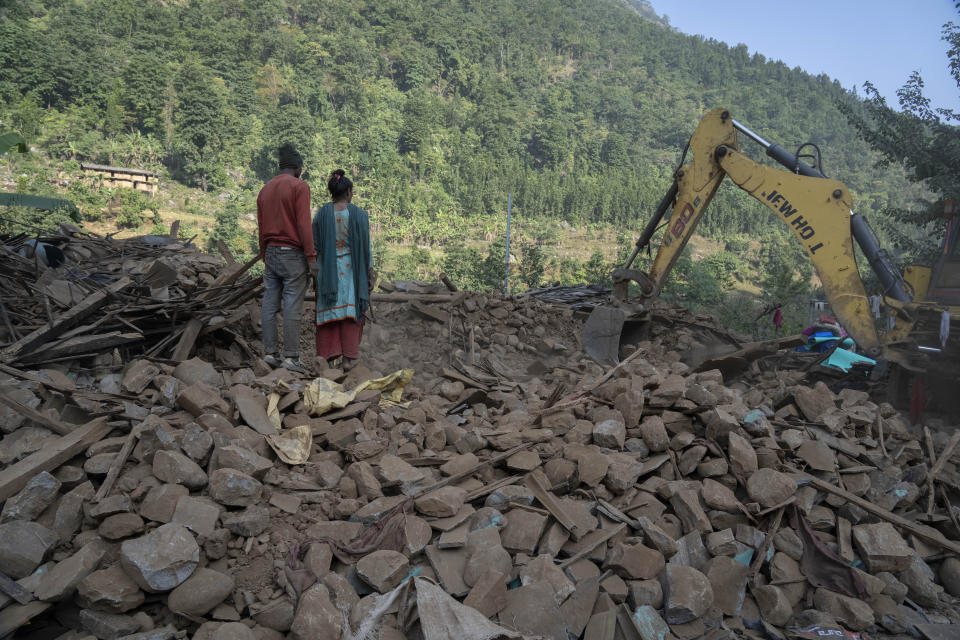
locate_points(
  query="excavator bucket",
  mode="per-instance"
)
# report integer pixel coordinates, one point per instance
(601, 335)
(610, 326)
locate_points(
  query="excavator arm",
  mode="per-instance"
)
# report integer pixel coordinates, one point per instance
(818, 210)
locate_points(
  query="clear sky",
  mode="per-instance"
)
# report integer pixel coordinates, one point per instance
(853, 41)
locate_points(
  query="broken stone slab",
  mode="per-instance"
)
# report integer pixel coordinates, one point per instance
(459, 464)
(196, 442)
(162, 559)
(449, 565)
(441, 503)
(773, 603)
(253, 409)
(242, 459)
(28, 503)
(161, 502)
(120, 526)
(654, 434)
(686, 505)
(108, 626)
(523, 531)
(240, 631)
(644, 592)
(578, 608)
(383, 570)
(61, 581)
(375, 509)
(196, 370)
(200, 398)
(657, 537)
(394, 471)
(718, 496)
(111, 505)
(770, 488)
(687, 593)
(881, 547)
(109, 590)
(139, 374)
(24, 546)
(200, 515)
(635, 562)
(485, 551)
(200, 593)
(814, 402)
(533, 610)
(853, 613)
(316, 616)
(743, 458)
(234, 488)
(164, 633)
(488, 594)
(250, 522)
(175, 468)
(610, 434)
(542, 569)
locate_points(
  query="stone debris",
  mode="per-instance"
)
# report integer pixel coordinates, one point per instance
(558, 499)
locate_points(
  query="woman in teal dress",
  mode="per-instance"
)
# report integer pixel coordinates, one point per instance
(341, 235)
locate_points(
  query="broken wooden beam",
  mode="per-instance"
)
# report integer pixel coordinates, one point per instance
(537, 483)
(16, 476)
(71, 318)
(927, 534)
(32, 414)
(187, 339)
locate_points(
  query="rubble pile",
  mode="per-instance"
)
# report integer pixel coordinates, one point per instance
(76, 295)
(510, 488)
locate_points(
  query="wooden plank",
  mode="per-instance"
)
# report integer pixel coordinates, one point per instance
(228, 277)
(14, 617)
(224, 251)
(457, 477)
(32, 414)
(71, 318)
(187, 339)
(15, 477)
(596, 543)
(927, 534)
(537, 483)
(945, 455)
(13, 589)
(81, 344)
(117, 465)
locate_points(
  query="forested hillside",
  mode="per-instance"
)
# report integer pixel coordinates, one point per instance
(579, 108)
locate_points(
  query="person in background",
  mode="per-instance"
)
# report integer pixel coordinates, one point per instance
(341, 233)
(287, 250)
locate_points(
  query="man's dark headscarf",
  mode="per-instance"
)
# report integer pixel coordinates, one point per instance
(289, 157)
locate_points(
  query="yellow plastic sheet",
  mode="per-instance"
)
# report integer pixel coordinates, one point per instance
(324, 395)
(293, 446)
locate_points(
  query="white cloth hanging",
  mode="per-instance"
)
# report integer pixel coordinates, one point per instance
(875, 305)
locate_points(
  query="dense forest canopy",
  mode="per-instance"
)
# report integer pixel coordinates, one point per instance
(580, 108)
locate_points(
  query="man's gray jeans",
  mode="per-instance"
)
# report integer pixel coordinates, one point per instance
(285, 276)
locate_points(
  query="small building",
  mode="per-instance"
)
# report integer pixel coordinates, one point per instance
(123, 177)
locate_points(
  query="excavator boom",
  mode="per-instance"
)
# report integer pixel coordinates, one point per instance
(817, 209)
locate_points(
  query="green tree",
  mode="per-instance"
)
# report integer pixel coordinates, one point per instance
(925, 140)
(532, 264)
(199, 121)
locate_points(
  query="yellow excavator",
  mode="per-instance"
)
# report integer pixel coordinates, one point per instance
(924, 300)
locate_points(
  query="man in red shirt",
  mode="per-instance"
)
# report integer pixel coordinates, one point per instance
(289, 258)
